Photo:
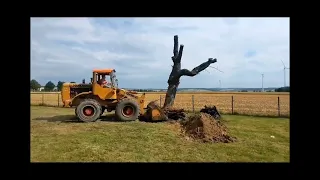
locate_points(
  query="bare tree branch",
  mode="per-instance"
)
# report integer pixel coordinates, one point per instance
(198, 69)
(177, 72)
(175, 46)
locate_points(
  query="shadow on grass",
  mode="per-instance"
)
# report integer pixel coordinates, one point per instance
(74, 119)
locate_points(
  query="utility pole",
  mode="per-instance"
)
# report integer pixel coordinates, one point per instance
(220, 84)
(262, 75)
(284, 76)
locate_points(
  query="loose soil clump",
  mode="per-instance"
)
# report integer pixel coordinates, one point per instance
(205, 128)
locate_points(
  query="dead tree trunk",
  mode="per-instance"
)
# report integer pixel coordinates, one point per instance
(177, 72)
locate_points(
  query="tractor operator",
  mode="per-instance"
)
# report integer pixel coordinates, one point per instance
(103, 82)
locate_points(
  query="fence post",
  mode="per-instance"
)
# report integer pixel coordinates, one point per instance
(193, 103)
(231, 104)
(58, 100)
(160, 101)
(42, 99)
(278, 106)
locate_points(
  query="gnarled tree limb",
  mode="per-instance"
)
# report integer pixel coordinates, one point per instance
(177, 72)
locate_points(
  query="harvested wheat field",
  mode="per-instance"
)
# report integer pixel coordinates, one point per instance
(260, 104)
(45, 98)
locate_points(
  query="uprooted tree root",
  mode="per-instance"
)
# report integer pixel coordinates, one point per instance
(180, 114)
(205, 128)
(175, 114)
(212, 110)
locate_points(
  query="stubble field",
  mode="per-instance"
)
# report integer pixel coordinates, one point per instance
(259, 104)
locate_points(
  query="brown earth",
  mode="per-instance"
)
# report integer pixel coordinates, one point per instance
(205, 128)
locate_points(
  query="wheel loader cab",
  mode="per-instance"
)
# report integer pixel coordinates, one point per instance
(104, 92)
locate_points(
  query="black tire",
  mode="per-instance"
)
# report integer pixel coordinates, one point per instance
(75, 112)
(127, 105)
(94, 110)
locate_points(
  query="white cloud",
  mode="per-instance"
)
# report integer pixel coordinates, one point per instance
(140, 49)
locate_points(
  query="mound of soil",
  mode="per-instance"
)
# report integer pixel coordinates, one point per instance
(204, 127)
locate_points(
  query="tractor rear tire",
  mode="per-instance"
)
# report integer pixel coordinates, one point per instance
(88, 110)
(127, 110)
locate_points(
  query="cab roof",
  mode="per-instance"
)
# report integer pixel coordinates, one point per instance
(104, 71)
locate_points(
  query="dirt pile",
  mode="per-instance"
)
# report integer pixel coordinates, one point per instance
(204, 127)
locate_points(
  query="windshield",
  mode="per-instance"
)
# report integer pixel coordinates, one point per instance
(114, 80)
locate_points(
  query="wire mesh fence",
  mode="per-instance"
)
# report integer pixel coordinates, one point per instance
(242, 104)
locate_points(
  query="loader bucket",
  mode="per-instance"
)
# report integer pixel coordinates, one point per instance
(153, 113)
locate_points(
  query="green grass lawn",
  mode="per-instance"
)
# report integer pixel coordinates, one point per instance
(55, 138)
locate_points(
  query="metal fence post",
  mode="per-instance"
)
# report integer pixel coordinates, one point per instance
(58, 100)
(278, 106)
(160, 101)
(193, 103)
(231, 104)
(42, 99)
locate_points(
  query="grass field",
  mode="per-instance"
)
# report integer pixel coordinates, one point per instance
(55, 138)
(262, 104)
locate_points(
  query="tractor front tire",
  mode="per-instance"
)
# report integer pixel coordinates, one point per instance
(88, 110)
(127, 110)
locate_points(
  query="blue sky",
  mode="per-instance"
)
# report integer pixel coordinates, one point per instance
(140, 50)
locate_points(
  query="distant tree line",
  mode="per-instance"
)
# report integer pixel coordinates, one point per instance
(49, 87)
(283, 89)
(146, 90)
